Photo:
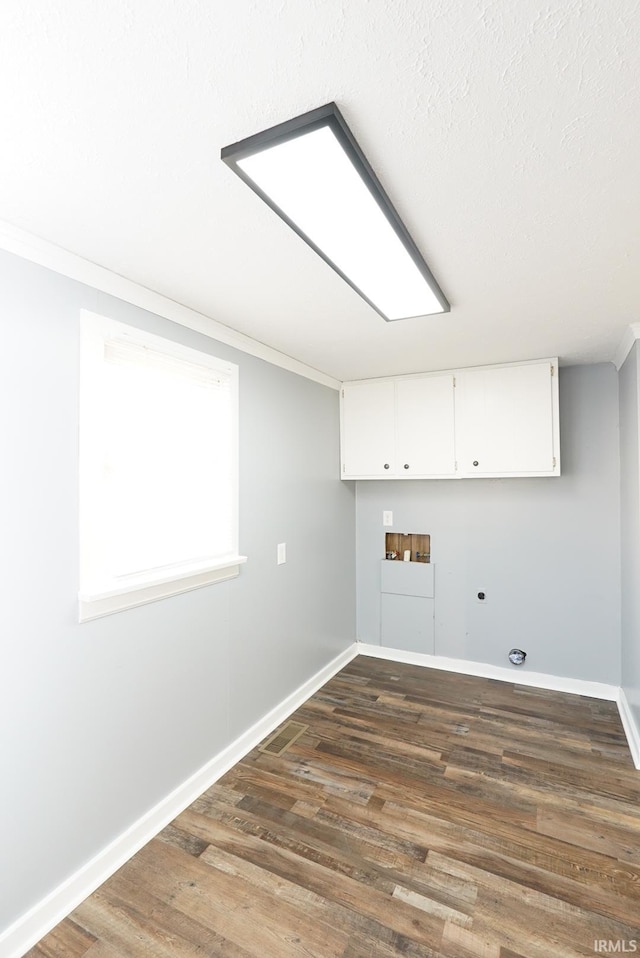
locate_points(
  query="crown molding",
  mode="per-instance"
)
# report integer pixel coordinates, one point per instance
(40, 251)
(629, 337)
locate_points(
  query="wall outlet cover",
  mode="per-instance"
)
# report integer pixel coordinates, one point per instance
(282, 553)
(387, 518)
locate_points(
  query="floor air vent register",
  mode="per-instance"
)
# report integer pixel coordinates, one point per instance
(283, 738)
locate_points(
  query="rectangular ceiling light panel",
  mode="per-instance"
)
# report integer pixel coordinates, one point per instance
(313, 174)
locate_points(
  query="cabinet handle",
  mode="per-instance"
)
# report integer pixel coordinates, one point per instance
(475, 462)
(406, 465)
(386, 465)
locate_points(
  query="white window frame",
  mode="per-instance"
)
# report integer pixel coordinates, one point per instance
(98, 595)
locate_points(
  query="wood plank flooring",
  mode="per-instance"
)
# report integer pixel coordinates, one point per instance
(423, 814)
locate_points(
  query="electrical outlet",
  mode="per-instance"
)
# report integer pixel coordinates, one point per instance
(387, 518)
(481, 597)
(282, 553)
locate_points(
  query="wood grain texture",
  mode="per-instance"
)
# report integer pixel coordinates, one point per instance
(423, 813)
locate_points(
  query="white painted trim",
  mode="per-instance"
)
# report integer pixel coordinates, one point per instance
(630, 335)
(630, 726)
(516, 674)
(30, 927)
(61, 261)
(131, 596)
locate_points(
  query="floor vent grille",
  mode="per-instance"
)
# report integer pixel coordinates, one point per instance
(283, 739)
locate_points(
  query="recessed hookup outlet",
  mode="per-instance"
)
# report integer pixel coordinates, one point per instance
(481, 597)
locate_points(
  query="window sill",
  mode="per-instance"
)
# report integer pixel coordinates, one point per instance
(149, 587)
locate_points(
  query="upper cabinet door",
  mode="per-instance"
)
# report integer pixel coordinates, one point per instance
(425, 426)
(506, 420)
(368, 429)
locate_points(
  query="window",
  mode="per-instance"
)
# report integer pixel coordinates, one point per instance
(158, 467)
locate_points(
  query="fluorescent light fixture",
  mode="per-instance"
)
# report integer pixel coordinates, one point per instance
(313, 174)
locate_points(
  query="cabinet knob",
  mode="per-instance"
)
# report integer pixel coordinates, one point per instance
(406, 465)
(475, 462)
(386, 465)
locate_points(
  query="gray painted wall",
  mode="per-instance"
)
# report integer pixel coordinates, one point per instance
(629, 381)
(100, 721)
(545, 551)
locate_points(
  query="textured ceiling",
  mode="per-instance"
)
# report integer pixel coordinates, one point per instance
(506, 133)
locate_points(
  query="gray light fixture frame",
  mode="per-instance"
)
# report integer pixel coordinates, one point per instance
(329, 115)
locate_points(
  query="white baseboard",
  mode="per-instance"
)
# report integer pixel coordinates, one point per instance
(34, 924)
(630, 726)
(540, 680)
(517, 674)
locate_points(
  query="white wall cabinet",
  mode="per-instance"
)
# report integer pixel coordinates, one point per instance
(506, 421)
(487, 422)
(367, 429)
(394, 428)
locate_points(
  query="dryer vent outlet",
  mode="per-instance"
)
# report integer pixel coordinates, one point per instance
(517, 656)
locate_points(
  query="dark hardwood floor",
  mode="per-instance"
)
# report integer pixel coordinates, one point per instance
(422, 813)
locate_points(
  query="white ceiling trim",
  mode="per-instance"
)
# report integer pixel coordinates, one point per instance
(37, 250)
(630, 335)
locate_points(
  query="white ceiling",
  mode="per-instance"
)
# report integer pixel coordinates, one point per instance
(506, 132)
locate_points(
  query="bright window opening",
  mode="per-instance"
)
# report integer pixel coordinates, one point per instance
(158, 467)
